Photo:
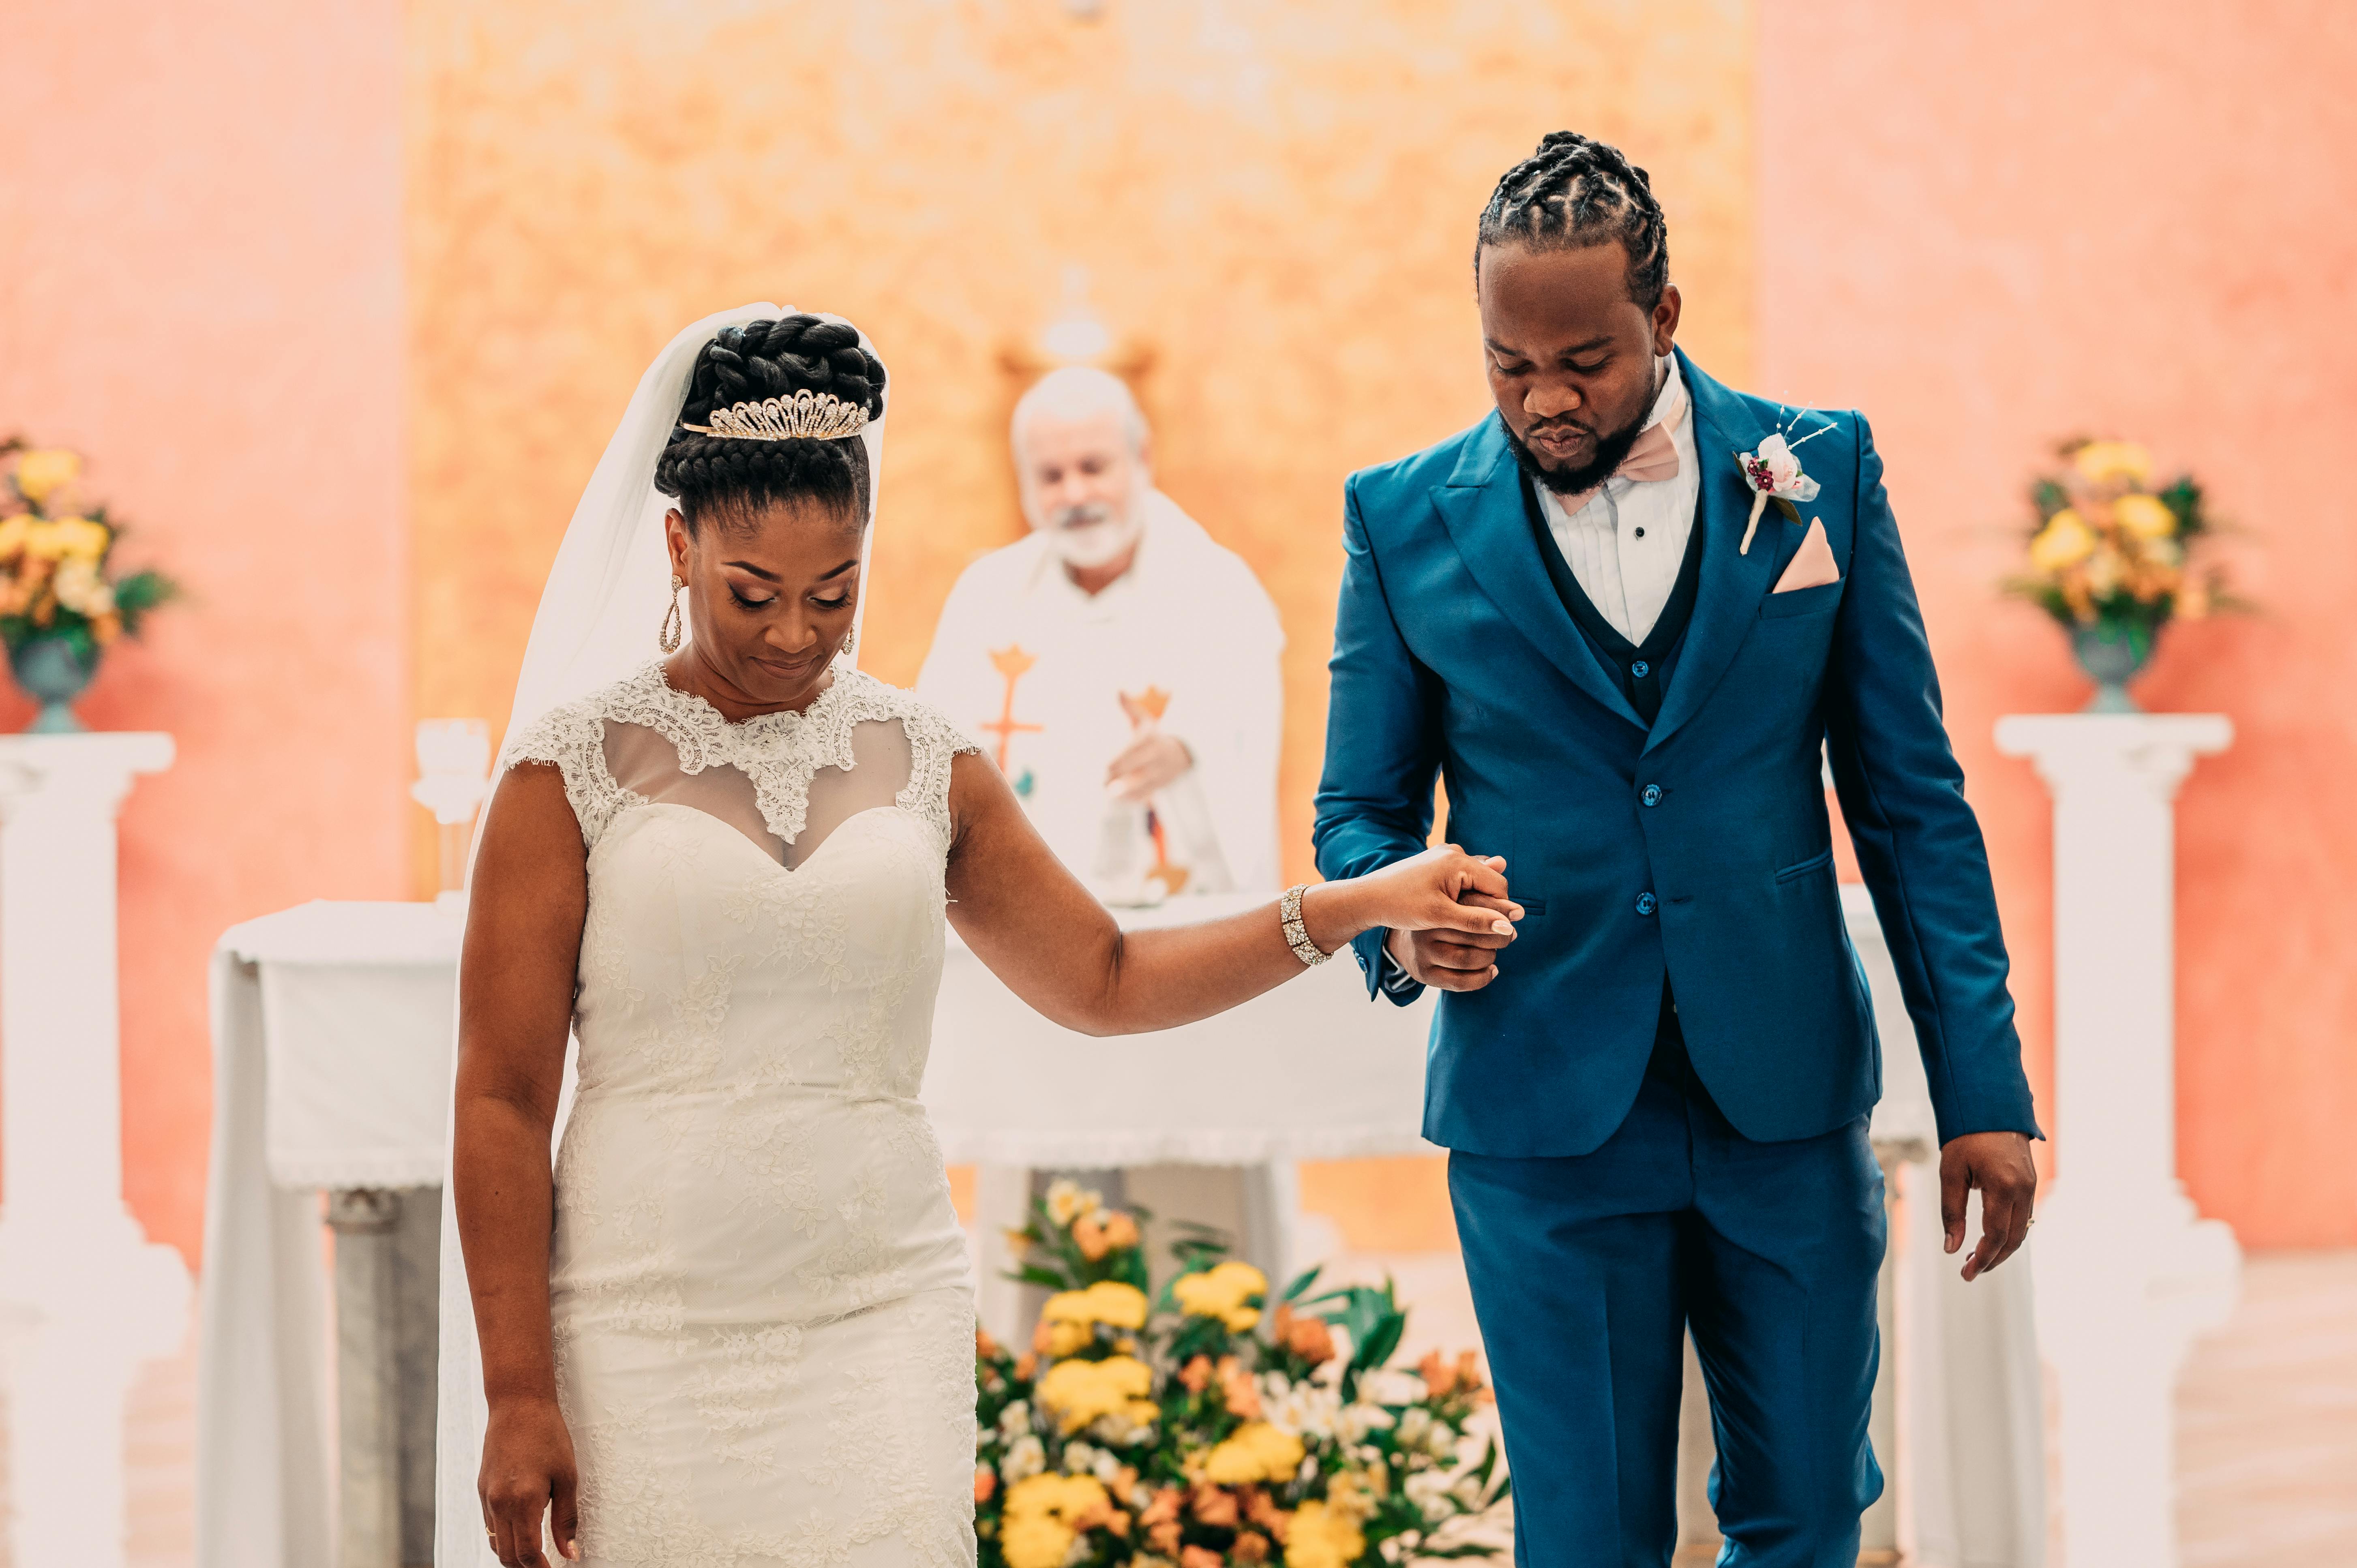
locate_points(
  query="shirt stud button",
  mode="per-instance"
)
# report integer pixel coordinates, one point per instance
(1641, 534)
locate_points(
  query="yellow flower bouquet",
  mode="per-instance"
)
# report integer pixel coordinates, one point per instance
(2109, 558)
(1203, 1426)
(59, 604)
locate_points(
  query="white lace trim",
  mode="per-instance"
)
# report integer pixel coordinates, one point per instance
(781, 753)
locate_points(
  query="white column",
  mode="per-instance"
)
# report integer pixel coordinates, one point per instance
(2127, 1272)
(86, 1297)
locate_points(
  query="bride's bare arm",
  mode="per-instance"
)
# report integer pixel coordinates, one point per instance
(528, 898)
(1056, 947)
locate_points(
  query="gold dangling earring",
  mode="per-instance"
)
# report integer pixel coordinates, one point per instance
(668, 639)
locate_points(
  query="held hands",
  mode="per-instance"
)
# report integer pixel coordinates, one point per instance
(1998, 1164)
(1449, 914)
(528, 1470)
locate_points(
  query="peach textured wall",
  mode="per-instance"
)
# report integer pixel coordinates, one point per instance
(199, 288)
(1277, 203)
(1992, 225)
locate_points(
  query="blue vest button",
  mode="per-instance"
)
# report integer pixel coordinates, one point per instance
(1645, 905)
(1640, 669)
(1652, 795)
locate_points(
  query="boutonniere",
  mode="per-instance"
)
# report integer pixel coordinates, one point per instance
(1775, 476)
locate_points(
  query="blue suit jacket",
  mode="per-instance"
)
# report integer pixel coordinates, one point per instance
(1453, 657)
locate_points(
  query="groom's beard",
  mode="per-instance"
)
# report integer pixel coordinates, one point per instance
(1609, 452)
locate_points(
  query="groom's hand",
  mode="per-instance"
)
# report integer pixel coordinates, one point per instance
(1998, 1164)
(1455, 961)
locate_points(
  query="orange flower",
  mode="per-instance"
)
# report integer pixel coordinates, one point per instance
(984, 1348)
(1195, 1375)
(1261, 1510)
(1120, 1231)
(1249, 1549)
(1438, 1376)
(1199, 1557)
(1237, 1389)
(1164, 1508)
(1090, 1238)
(1164, 1538)
(1216, 1507)
(1307, 1337)
(985, 1482)
(1025, 1365)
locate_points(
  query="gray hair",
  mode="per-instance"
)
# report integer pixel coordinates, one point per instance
(1077, 392)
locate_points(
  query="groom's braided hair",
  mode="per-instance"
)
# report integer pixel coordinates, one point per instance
(1574, 192)
(759, 359)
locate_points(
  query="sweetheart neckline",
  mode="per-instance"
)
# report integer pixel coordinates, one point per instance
(739, 836)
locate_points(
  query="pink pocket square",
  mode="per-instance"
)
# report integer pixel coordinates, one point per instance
(1813, 566)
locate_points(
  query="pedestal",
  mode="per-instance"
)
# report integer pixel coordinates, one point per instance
(2127, 1272)
(85, 1296)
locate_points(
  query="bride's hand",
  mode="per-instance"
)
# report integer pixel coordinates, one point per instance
(528, 1471)
(1460, 898)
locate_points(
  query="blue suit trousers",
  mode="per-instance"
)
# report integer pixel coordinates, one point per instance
(1587, 1270)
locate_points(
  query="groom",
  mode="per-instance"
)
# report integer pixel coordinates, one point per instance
(1655, 1093)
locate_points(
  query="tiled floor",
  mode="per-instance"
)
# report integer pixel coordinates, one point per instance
(2267, 1415)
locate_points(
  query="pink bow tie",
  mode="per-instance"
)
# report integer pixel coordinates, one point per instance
(1654, 457)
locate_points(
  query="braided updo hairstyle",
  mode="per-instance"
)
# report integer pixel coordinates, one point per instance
(1574, 192)
(756, 359)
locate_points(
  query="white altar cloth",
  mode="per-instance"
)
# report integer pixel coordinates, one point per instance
(1312, 1070)
(332, 1039)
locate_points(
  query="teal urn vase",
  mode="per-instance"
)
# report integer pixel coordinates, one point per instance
(2112, 652)
(53, 672)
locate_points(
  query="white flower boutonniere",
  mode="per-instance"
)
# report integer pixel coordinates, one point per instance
(1774, 475)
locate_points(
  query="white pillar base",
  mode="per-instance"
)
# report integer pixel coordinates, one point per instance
(2128, 1273)
(84, 1296)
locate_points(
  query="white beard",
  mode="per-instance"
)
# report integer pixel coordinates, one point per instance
(1088, 545)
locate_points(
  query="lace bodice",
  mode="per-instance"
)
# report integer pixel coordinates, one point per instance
(785, 781)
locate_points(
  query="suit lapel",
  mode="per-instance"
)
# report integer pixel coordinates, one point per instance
(1728, 601)
(1482, 506)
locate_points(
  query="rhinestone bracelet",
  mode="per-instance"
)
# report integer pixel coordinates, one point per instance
(1295, 933)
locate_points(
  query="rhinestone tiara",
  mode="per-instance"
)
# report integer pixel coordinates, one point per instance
(805, 416)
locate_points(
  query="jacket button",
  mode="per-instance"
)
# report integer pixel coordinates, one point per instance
(1639, 669)
(1645, 904)
(1652, 795)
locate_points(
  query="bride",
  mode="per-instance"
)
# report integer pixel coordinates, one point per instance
(735, 1328)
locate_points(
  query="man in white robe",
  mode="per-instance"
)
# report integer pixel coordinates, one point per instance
(1121, 666)
(1123, 670)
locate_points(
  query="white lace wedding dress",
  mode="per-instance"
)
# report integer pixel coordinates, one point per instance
(763, 1307)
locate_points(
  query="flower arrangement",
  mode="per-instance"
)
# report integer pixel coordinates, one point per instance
(1203, 1428)
(59, 605)
(2108, 558)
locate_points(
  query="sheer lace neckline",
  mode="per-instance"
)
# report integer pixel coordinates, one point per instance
(781, 753)
(653, 680)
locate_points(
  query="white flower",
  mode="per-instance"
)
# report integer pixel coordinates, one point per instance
(1026, 1459)
(1773, 471)
(1080, 1457)
(79, 588)
(1067, 1201)
(1414, 1425)
(1306, 1409)
(1469, 1490)
(1427, 1489)
(1309, 1471)
(1015, 1420)
(1355, 1420)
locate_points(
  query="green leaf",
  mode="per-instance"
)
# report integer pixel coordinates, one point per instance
(1301, 1283)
